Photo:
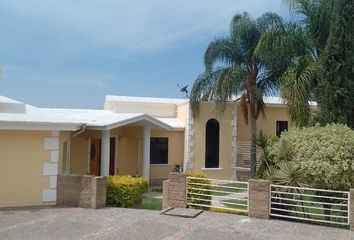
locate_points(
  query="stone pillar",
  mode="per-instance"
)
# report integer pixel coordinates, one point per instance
(258, 198)
(146, 152)
(98, 192)
(81, 191)
(351, 210)
(105, 152)
(165, 202)
(175, 191)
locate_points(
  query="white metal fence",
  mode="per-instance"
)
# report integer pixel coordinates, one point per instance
(214, 194)
(309, 205)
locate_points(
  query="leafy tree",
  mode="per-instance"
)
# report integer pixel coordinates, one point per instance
(239, 64)
(336, 98)
(325, 74)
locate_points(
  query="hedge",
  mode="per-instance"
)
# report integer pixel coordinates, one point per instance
(125, 191)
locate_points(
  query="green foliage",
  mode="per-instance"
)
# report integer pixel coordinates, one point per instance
(202, 189)
(336, 98)
(264, 141)
(125, 191)
(241, 63)
(324, 156)
(286, 173)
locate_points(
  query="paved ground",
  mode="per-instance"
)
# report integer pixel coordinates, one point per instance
(117, 223)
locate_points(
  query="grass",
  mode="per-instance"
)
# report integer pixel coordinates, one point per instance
(151, 203)
(227, 204)
(230, 190)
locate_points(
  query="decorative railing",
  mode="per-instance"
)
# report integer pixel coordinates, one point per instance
(309, 204)
(213, 194)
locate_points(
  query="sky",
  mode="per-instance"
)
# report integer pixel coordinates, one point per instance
(71, 54)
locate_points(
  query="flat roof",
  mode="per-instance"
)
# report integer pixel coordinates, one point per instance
(112, 98)
(73, 119)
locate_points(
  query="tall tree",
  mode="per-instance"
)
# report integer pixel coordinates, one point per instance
(336, 98)
(326, 75)
(237, 64)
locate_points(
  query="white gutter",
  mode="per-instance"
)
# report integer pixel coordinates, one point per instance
(41, 126)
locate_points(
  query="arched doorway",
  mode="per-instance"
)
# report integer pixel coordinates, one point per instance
(212, 130)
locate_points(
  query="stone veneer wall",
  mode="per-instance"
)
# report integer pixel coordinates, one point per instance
(175, 191)
(258, 198)
(81, 191)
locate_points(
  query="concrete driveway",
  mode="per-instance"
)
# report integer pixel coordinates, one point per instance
(118, 223)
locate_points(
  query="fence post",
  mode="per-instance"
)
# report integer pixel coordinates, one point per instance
(175, 191)
(351, 209)
(258, 198)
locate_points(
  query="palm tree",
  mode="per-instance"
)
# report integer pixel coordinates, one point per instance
(245, 68)
(299, 81)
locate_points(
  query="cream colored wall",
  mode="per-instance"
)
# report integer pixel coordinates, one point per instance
(175, 153)
(182, 113)
(127, 148)
(79, 154)
(22, 156)
(64, 136)
(130, 146)
(207, 111)
(265, 123)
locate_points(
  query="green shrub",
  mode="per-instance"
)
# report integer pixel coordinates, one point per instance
(125, 191)
(325, 155)
(201, 190)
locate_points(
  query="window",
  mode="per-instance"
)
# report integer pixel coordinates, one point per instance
(159, 151)
(212, 144)
(281, 127)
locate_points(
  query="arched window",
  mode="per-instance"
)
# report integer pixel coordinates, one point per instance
(212, 144)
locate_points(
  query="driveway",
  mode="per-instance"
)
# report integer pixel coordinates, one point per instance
(118, 223)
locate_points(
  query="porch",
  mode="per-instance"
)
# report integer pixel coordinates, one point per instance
(140, 148)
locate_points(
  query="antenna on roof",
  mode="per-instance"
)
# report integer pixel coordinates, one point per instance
(183, 89)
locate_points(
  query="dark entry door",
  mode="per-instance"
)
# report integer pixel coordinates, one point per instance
(112, 156)
(95, 156)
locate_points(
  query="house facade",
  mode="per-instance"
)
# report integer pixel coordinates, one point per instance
(131, 136)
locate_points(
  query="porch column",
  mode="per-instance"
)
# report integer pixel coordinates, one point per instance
(146, 152)
(105, 148)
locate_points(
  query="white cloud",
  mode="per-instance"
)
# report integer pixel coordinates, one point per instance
(134, 26)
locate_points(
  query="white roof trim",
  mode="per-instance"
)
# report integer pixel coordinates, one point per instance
(41, 126)
(144, 117)
(112, 98)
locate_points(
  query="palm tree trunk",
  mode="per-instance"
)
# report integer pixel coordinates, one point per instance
(253, 134)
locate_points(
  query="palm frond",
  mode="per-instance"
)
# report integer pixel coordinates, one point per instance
(229, 83)
(268, 21)
(245, 34)
(287, 41)
(221, 50)
(295, 87)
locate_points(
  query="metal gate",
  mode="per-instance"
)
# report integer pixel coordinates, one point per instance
(217, 195)
(309, 205)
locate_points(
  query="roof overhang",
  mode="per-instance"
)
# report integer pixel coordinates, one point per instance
(40, 126)
(141, 120)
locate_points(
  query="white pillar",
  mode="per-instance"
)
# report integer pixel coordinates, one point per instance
(146, 152)
(105, 152)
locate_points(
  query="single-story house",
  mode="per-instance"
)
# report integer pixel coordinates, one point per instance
(131, 136)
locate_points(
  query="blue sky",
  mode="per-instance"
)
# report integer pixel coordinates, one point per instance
(62, 53)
